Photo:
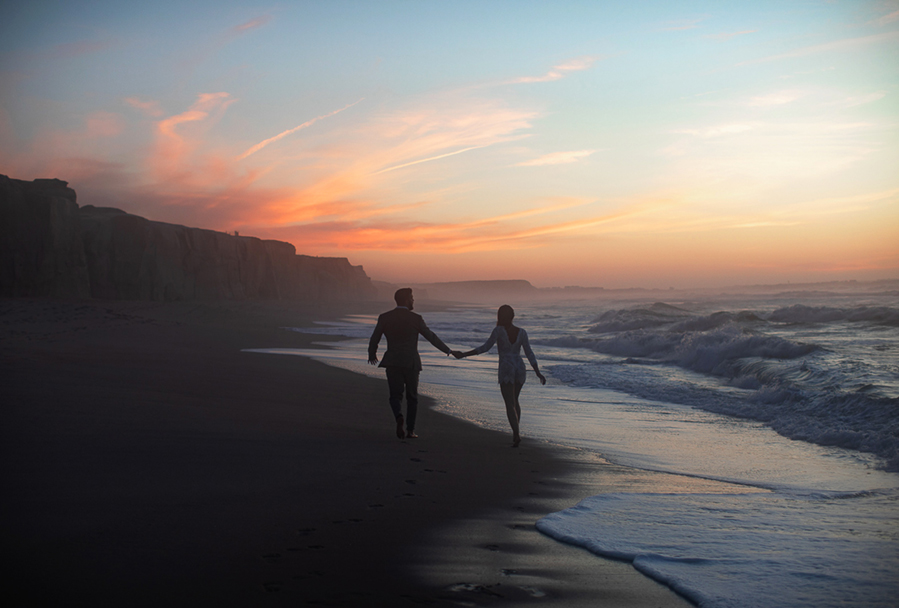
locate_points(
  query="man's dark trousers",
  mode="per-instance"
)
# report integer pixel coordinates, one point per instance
(400, 379)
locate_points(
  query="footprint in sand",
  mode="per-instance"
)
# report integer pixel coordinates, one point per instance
(305, 531)
(492, 547)
(272, 557)
(272, 587)
(473, 588)
(376, 506)
(412, 481)
(533, 591)
(415, 459)
(521, 526)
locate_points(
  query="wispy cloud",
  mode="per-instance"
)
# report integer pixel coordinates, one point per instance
(724, 36)
(557, 158)
(493, 233)
(174, 160)
(425, 160)
(284, 134)
(560, 71)
(149, 107)
(777, 98)
(836, 45)
(681, 24)
(252, 24)
(857, 100)
(890, 18)
(715, 131)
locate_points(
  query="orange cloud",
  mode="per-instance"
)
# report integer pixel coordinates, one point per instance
(557, 158)
(173, 159)
(500, 232)
(560, 71)
(149, 107)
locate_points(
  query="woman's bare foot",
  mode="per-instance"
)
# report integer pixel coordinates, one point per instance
(411, 435)
(516, 441)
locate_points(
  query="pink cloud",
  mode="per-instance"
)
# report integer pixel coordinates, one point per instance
(149, 107)
(557, 158)
(560, 71)
(252, 24)
(344, 174)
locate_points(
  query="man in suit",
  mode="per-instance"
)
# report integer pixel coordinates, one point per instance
(403, 364)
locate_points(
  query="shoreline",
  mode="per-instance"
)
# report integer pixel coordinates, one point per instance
(149, 460)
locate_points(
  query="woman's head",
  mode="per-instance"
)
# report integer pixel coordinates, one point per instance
(504, 315)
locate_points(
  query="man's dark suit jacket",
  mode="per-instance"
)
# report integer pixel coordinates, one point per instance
(402, 327)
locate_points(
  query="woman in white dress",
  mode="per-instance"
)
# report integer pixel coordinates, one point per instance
(509, 341)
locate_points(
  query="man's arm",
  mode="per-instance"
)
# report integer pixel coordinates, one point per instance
(373, 343)
(432, 338)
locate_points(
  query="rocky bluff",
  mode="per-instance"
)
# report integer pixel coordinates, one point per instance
(49, 246)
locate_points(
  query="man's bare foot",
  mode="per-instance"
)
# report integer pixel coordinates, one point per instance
(411, 435)
(400, 433)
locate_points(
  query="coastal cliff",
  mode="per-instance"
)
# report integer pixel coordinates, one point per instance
(51, 247)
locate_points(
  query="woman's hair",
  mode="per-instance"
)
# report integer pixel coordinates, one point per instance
(504, 315)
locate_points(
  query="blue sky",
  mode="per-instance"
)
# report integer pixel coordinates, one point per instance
(595, 143)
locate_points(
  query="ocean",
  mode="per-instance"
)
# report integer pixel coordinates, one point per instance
(794, 397)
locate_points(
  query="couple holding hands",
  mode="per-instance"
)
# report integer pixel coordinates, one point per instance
(403, 363)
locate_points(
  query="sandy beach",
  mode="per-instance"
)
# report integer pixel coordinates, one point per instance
(147, 460)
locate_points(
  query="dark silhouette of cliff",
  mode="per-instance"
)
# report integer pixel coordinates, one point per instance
(51, 247)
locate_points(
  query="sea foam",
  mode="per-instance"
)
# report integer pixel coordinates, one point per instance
(747, 550)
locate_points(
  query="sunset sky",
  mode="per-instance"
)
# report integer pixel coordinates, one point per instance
(611, 144)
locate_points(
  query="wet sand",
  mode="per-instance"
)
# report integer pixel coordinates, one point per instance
(146, 460)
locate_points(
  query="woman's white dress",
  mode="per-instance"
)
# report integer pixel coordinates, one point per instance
(511, 366)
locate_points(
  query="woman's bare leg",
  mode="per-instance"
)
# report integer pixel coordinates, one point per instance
(513, 409)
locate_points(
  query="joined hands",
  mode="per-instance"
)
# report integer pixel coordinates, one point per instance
(457, 354)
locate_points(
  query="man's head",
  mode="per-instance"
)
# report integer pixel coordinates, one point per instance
(404, 297)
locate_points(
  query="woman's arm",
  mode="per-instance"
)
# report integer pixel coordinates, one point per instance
(526, 344)
(483, 348)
